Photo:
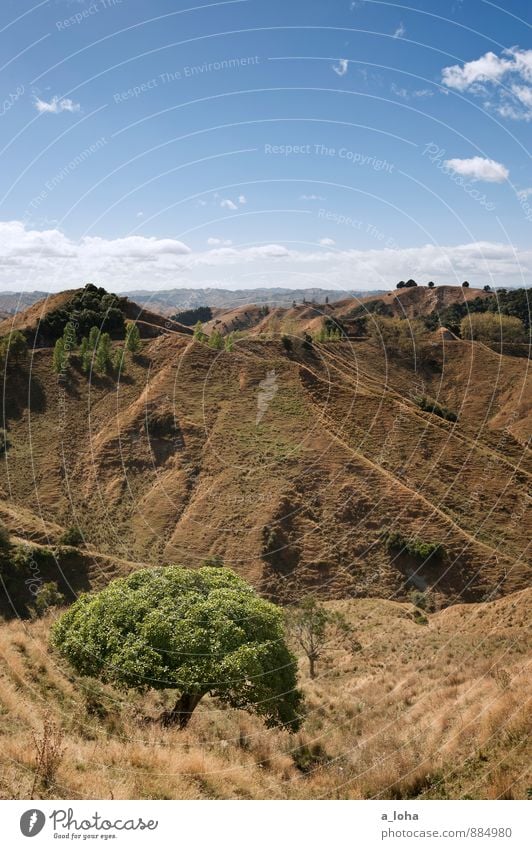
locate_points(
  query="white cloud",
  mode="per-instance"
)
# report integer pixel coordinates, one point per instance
(242, 199)
(311, 197)
(504, 82)
(327, 243)
(55, 105)
(524, 193)
(140, 215)
(50, 260)
(400, 31)
(228, 204)
(478, 168)
(341, 67)
(215, 243)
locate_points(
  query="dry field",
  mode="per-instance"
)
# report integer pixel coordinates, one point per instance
(418, 709)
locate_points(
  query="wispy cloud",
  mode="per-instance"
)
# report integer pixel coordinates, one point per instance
(213, 242)
(56, 105)
(407, 94)
(477, 168)
(311, 197)
(400, 31)
(503, 82)
(226, 203)
(242, 199)
(327, 243)
(341, 67)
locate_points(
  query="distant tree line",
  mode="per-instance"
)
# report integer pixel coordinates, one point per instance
(190, 317)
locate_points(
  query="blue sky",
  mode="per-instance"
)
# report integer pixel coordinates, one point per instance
(250, 143)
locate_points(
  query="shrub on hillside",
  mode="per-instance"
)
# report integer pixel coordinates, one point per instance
(399, 336)
(397, 543)
(489, 327)
(47, 597)
(428, 405)
(72, 536)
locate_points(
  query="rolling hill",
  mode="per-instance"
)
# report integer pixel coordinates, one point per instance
(174, 463)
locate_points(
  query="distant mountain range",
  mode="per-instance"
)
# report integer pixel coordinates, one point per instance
(172, 300)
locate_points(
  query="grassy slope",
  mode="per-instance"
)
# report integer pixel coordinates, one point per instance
(437, 710)
(171, 464)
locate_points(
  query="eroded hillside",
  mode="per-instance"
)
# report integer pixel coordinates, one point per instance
(291, 464)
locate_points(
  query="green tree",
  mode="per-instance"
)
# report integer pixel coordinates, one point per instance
(199, 335)
(465, 285)
(60, 356)
(69, 337)
(197, 631)
(431, 285)
(315, 628)
(102, 360)
(230, 342)
(133, 343)
(119, 361)
(13, 347)
(216, 340)
(94, 338)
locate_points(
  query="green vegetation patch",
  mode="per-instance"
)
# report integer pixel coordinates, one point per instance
(428, 405)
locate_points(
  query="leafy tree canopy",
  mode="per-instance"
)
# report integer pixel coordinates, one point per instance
(199, 632)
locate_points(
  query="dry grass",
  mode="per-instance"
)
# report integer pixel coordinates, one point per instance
(439, 710)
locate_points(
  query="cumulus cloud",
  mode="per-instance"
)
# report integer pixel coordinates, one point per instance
(48, 259)
(327, 243)
(56, 105)
(478, 168)
(228, 204)
(400, 31)
(504, 82)
(341, 67)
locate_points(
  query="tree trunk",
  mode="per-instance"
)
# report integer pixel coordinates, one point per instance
(312, 665)
(182, 710)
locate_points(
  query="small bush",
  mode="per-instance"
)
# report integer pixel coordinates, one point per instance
(429, 406)
(421, 550)
(287, 343)
(309, 757)
(47, 596)
(72, 536)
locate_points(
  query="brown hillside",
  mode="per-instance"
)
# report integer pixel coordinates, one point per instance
(401, 303)
(290, 466)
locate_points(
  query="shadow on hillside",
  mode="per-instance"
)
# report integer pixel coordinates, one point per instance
(27, 568)
(23, 391)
